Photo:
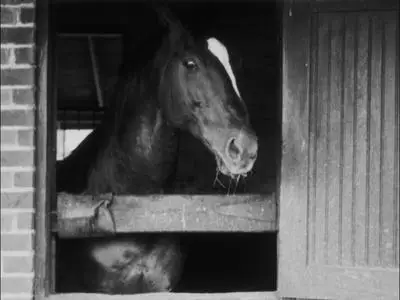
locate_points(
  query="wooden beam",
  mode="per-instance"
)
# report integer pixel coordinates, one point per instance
(171, 296)
(95, 71)
(329, 6)
(45, 151)
(88, 34)
(83, 215)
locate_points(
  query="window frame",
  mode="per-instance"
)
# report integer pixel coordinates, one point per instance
(45, 191)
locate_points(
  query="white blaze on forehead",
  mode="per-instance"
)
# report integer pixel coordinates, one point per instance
(220, 51)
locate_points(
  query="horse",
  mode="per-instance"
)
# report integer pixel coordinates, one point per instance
(183, 84)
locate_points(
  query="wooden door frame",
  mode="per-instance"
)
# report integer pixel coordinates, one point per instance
(295, 134)
(44, 152)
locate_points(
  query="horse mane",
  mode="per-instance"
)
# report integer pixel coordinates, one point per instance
(135, 87)
(136, 72)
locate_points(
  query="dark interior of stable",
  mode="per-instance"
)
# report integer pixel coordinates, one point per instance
(216, 262)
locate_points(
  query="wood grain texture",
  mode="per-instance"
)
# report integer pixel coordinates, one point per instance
(293, 215)
(44, 159)
(352, 141)
(157, 213)
(345, 5)
(171, 296)
(344, 193)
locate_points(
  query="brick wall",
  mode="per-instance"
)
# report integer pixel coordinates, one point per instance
(17, 147)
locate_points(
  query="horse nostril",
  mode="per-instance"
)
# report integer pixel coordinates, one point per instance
(233, 150)
(253, 156)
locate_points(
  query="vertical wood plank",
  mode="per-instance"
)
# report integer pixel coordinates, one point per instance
(397, 150)
(323, 65)
(347, 238)
(374, 145)
(388, 142)
(312, 144)
(295, 137)
(334, 139)
(360, 151)
(43, 144)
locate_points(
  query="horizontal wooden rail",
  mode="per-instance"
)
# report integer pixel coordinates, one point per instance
(171, 296)
(84, 215)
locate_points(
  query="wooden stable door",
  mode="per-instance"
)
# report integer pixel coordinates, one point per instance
(339, 195)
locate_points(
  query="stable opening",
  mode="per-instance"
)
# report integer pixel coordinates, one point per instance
(214, 263)
(93, 49)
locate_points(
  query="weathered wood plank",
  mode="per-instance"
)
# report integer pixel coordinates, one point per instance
(374, 138)
(247, 213)
(293, 223)
(322, 180)
(389, 199)
(334, 155)
(171, 296)
(345, 5)
(349, 119)
(360, 142)
(44, 154)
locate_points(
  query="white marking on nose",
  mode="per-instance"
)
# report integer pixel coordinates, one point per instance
(220, 51)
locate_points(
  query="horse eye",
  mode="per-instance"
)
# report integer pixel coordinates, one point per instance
(190, 64)
(197, 104)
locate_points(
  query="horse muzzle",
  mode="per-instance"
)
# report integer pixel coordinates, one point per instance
(239, 154)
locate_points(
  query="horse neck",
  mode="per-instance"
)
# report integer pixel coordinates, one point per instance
(140, 154)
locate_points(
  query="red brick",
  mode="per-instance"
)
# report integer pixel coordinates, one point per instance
(7, 222)
(17, 158)
(25, 137)
(24, 96)
(25, 221)
(24, 55)
(6, 97)
(16, 242)
(17, 264)
(24, 179)
(17, 76)
(17, 35)
(7, 179)
(9, 137)
(16, 285)
(6, 56)
(17, 200)
(19, 297)
(27, 15)
(14, 2)
(19, 117)
(9, 15)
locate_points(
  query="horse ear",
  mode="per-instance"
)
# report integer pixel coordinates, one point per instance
(165, 16)
(177, 30)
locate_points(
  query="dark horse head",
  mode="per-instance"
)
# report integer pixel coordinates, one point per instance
(184, 85)
(198, 93)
